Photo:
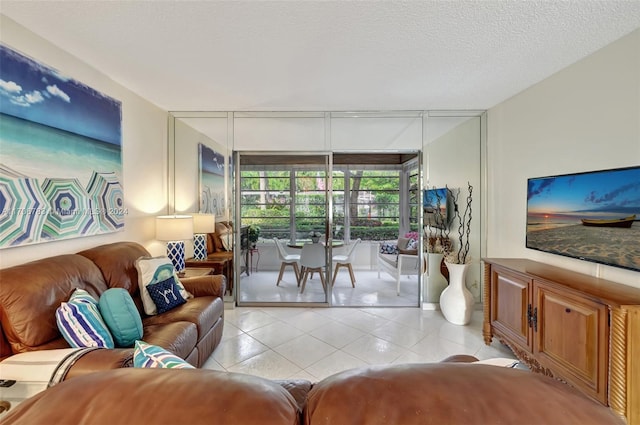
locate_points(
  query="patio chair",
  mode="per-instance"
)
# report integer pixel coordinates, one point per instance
(345, 261)
(287, 260)
(313, 260)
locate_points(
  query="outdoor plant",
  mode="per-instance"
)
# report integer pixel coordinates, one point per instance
(253, 233)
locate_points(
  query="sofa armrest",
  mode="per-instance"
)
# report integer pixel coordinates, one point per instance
(101, 359)
(202, 286)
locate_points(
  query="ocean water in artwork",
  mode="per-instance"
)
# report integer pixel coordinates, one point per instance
(35, 154)
(39, 151)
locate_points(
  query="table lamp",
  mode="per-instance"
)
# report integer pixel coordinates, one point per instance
(202, 224)
(175, 229)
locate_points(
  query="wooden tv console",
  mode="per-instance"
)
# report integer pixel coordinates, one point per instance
(577, 328)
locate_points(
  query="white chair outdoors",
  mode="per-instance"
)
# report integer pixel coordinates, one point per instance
(312, 260)
(345, 261)
(287, 260)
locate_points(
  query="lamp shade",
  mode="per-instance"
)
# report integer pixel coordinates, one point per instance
(174, 227)
(204, 223)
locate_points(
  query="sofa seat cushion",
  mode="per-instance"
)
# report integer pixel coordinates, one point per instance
(449, 393)
(201, 311)
(390, 259)
(160, 396)
(178, 337)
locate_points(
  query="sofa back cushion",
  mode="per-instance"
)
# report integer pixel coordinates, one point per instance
(218, 241)
(449, 393)
(183, 396)
(117, 261)
(30, 293)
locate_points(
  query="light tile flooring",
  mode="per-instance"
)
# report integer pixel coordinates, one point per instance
(313, 343)
(370, 290)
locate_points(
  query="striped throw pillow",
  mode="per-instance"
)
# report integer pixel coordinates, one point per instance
(80, 322)
(147, 355)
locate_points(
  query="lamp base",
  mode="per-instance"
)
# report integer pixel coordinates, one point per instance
(199, 247)
(175, 252)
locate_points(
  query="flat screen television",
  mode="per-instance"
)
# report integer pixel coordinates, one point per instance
(593, 216)
(437, 208)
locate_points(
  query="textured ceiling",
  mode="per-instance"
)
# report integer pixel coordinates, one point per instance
(327, 55)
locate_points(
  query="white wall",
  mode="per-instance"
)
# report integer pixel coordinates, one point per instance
(144, 151)
(586, 117)
(453, 160)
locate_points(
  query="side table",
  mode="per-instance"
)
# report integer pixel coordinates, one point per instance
(196, 272)
(252, 252)
(209, 266)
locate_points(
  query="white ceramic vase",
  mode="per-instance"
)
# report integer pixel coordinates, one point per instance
(435, 282)
(456, 301)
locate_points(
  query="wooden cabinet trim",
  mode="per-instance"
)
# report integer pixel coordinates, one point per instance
(605, 291)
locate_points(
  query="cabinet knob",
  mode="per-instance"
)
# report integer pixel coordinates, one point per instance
(567, 310)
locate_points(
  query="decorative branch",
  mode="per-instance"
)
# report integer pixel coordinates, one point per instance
(468, 224)
(461, 256)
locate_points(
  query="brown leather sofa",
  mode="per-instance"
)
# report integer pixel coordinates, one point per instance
(219, 253)
(408, 394)
(30, 294)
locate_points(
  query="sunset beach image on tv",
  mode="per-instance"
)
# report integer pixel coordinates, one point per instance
(592, 216)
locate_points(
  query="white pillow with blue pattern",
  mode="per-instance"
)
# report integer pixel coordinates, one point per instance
(80, 322)
(147, 355)
(152, 270)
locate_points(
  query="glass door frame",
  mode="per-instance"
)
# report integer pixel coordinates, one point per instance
(328, 225)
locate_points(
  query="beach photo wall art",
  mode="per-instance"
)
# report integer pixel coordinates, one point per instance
(61, 155)
(592, 216)
(211, 167)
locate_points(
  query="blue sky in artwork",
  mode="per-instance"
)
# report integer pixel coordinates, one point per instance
(608, 190)
(211, 161)
(35, 92)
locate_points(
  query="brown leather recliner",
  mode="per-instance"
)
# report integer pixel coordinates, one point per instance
(30, 294)
(406, 394)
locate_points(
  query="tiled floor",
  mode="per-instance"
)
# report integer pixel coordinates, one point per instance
(313, 343)
(370, 290)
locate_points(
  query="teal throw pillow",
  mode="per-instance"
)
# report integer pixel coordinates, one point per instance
(121, 316)
(147, 355)
(80, 322)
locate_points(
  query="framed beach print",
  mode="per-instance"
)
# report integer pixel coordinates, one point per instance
(211, 165)
(61, 163)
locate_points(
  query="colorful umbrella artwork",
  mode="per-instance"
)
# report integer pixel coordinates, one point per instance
(71, 213)
(24, 208)
(107, 199)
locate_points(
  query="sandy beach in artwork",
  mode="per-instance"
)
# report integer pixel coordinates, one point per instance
(601, 244)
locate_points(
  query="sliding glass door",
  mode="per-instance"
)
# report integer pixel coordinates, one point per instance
(283, 210)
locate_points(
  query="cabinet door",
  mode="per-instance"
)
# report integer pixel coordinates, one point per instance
(571, 338)
(510, 305)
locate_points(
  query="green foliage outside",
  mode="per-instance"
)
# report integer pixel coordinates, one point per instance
(269, 206)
